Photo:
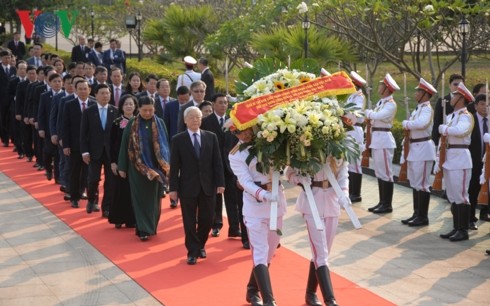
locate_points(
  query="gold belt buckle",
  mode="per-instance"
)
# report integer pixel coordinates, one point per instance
(325, 184)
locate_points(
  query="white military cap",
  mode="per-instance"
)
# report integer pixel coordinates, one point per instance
(190, 60)
(357, 79)
(464, 92)
(390, 83)
(426, 86)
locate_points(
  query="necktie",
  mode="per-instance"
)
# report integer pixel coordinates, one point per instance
(197, 147)
(116, 96)
(221, 121)
(164, 102)
(7, 71)
(83, 106)
(103, 117)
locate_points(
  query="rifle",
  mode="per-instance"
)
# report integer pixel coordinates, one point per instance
(483, 195)
(402, 176)
(366, 153)
(437, 184)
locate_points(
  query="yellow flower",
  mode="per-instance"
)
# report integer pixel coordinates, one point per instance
(279, 85)
(304, 79)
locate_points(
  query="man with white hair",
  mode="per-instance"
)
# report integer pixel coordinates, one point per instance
(196, 176)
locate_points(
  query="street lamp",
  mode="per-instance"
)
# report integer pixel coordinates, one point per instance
(464, 29)
(92, 15)
(138, 22)
(305, 24)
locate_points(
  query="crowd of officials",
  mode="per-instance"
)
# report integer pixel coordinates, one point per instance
(71, 121)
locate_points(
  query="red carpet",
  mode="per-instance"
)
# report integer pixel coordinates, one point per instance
(159, 265)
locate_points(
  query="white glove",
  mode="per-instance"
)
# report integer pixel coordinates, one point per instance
(268, 197)
(482, 178)
(443, 129)
(404, 124)
(344, 201)
(304, 180)
(368, 112)
(436, 167)
(486, 137)
(402, 159)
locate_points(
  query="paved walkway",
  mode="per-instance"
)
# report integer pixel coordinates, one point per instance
(43, 262)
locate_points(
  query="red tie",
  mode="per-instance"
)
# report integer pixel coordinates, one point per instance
(83, 106)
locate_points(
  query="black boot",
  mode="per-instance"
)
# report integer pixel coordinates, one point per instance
(422, 218)
(263, 279)
(323, 276)
(310, 298)
(415, 197)
(252, 296)
(381, 196)
(387, 197)
(463, 223)
(355, 182)
(455, 223)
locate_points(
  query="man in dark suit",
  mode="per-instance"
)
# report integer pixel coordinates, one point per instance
(15, 120)
(95, 56)
(36, 59)
(207, 77)
(116, 87)
(454, 81)
(72, 117)
(50, 150)
(198, 90)
(214, 123)
(172, 110)
(101, 76)
(151, 89)
(7, 72)
(162, 97)
(113, 56)
(17, 47)
(477, 150)
(196, 176)
(24, 91)
(95, 145)
(80, 52)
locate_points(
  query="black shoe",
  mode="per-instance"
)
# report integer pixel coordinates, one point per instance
(202, 253)
(95, 207)
(215, 232)
(460, 235)
(49, 175)
(36, 165)
(354, 198)
(484, 217)
(74, 204)
(105, 214)
(144, 237)
(21, 156)
(383, 209)
(84, 196)
(90, 207)
(118, 225)
(173, 204)
(67, 197)
(62, 188)
(40, 168)
(473, 226)
(234, 234)
(29, 159)
(449, 234)
(246, 245)
(191, 260)
(419, 221)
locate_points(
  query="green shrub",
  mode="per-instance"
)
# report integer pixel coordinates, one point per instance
(397, 132)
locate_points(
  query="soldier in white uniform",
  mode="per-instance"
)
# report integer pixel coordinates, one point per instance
(457, 166)
(382, 143)
(189, 76)
(328, 206)
(256, 214)
(355, 169)
(422, 153)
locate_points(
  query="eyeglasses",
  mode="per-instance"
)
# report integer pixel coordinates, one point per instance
(198, 91)
(455, 84)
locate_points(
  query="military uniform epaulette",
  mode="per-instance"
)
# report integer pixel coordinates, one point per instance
(235, 149)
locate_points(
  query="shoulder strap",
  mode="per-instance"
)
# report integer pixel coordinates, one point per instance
(188, 76)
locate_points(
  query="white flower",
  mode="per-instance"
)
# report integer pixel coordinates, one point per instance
(302, 8)
(429, 8)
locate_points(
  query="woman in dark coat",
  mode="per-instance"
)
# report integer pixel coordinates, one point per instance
(121, 209)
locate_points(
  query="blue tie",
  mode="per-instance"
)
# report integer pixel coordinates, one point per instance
(197, 147)
(221, 121)
(103, 117)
